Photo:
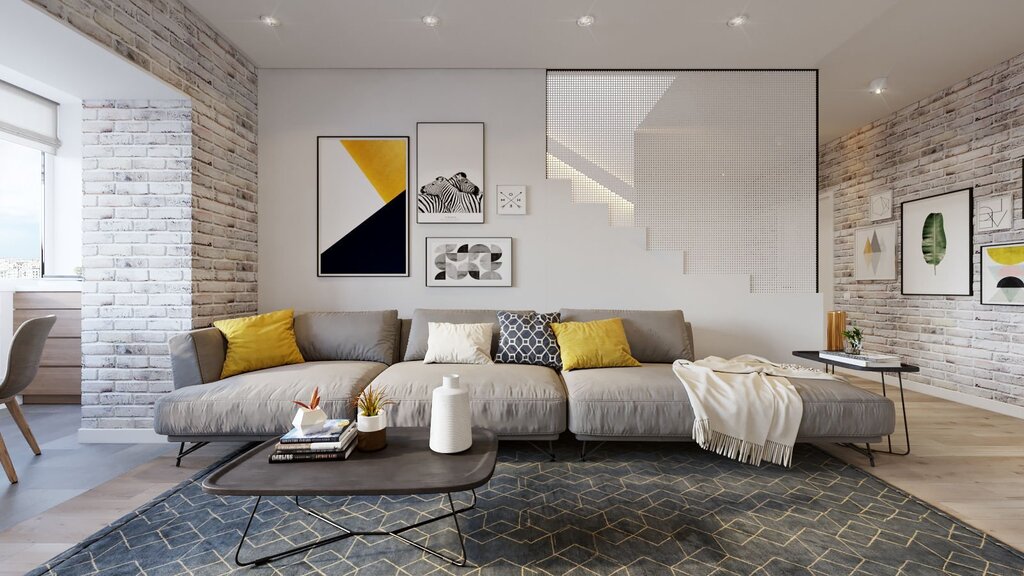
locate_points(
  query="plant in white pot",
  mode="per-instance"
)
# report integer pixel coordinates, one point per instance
(371, 420)
(309, 416)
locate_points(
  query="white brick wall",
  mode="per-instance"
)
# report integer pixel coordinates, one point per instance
(170, 201)
(969, 134)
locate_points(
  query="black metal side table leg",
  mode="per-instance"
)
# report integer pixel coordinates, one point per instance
(903, 406)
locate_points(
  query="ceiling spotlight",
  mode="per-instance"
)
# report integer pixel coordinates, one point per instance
(431, 20)
(585, 21)
(879, 85)
(738, 20)
(270, 21)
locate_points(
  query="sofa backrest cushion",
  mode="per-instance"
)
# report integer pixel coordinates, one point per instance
(655, 336)
(370, 336)
(416, 349)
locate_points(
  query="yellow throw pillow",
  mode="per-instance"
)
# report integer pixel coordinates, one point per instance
(597, 344)
(258, 342)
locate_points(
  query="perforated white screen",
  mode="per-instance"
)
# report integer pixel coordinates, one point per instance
(719, 164)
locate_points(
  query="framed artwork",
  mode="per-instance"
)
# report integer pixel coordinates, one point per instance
(994, 213)
(362, 206)
(511, 199)
(937, 245)
(450, 172)
(874, 250)
(880, 206)
(469, 262)
(1002, 274)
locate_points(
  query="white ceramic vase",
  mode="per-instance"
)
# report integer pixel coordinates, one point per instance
(306, 419)
(451, 427)
(373, 432)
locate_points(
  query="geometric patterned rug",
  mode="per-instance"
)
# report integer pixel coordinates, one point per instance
(631, 509)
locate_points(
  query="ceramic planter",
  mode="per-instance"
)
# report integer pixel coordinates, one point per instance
(373, 432)
(306, 419)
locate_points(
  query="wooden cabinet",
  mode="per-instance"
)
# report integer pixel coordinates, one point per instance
(59, 380)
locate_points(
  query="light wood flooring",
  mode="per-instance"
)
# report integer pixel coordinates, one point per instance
(965, 461)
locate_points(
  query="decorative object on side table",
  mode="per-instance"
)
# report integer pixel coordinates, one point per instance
(937, 245)
(309, 416)
(511, 199)
(371, 420)
(450, 420)
(874, 250)
(854, 340)
(362, 206)
(450, 172)
(1002, 274)
(836, 326)
(469, 261)
(994, 212)
(880, 206)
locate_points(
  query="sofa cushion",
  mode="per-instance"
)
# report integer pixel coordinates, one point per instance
(260, 403)
(258, 342)
(358, 336)
(459, 343)
(650, 402)
(596, 344)
(510, 399)
(658, 336)
(528, 339)
(416, 349)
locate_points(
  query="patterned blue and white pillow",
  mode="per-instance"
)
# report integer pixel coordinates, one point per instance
(528, 339)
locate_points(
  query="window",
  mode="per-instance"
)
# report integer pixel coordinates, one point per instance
(22, 177)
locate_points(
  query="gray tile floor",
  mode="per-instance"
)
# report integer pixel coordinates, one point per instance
(66, 468)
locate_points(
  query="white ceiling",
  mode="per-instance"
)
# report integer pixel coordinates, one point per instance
(921, 45)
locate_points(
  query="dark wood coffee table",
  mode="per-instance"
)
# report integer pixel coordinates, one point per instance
(406, 466)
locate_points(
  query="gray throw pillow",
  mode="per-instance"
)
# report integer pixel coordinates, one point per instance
(527, 338)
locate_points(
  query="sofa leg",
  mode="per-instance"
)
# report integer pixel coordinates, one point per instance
(584, 452)
(182, 451)
(550, 452)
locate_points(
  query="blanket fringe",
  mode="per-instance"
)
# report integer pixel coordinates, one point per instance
(739, 449)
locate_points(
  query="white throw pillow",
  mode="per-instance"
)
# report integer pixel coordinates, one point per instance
(458, 343)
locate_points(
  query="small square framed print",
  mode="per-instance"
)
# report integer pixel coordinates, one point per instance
(511, 199)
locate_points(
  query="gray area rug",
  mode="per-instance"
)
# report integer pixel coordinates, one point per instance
(630, 509)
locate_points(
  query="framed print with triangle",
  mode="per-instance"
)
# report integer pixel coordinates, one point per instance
(362, 206)
(874, 252)
(1002, 274)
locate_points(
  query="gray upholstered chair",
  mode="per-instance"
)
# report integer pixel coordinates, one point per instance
(22, 364)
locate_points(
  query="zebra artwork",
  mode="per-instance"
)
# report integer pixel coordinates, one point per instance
(455, 195)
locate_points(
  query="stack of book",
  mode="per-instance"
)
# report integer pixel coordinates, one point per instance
(335, 440)
(862, 360)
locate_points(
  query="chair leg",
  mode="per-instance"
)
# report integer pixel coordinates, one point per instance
(5, 460)
(19, 418)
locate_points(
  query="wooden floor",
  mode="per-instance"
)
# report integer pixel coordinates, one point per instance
(965, 461)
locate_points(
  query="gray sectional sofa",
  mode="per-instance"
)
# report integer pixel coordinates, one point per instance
(346, 351)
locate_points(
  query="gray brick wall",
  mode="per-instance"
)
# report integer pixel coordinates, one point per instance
(969, 134)
(165, 252)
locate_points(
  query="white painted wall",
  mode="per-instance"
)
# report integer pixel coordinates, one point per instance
(565, 254)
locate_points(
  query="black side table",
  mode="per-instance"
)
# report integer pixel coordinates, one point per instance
(813, 356)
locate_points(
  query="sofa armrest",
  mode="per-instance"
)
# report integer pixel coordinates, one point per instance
(689, 340)
(197, 357)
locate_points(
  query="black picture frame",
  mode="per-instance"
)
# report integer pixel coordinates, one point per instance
(970, 243)
(981, 279)
(483, 174)
(406, 230)
(427, 261)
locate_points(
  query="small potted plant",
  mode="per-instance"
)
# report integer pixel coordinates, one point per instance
(309, 416)
(854, 340)
(371, 420)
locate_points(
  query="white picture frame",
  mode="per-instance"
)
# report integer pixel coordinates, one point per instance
(949, 272)
(880, 206)
(450, 173)
(993, 213)
(468, 262)
(510, 199)
(874, 252)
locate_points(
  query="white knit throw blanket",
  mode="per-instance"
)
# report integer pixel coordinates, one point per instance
(745, 408)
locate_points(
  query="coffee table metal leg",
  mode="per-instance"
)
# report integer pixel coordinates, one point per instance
(346, 533)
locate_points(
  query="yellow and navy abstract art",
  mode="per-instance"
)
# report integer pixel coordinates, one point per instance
(362, 206)
(1002, 274)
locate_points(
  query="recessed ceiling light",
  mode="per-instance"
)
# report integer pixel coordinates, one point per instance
(738, 20)
(585, 21)
(879, 85)
(431, 20)
(270, 21)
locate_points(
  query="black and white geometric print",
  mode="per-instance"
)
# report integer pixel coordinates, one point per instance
(528, 339)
